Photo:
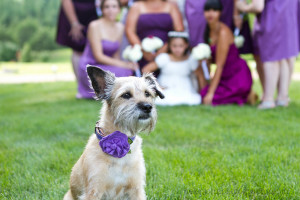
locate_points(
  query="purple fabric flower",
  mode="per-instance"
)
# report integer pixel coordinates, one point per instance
(115, 144)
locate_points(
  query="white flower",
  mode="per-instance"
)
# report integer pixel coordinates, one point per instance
(126, 52)
(151, 44)
(239, 41)
(133, 54)
(201, 51)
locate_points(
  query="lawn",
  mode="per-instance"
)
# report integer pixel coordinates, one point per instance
(225, 152)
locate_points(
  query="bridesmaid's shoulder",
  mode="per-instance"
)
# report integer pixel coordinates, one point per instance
(137, 5)
(120, 26)
(94, 24)
(225, 31)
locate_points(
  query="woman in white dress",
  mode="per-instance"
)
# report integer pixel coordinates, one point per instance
(176, 68)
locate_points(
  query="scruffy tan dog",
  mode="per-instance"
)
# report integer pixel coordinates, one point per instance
(114, 168)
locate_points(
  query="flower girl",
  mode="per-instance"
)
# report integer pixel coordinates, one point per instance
(176, 68)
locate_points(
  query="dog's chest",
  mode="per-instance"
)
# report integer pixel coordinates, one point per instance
(120, 175)
(119, 171)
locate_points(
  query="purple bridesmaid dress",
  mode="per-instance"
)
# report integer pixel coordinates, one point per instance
(194, 10)
(153, 24)
(236, 81)
(299, 22)
(277, 33)
(86, 12)
(109, 49)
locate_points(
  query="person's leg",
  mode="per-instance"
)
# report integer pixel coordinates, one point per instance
(291, 63)
(75, 62)
(271, 75)
(286, 71)
(283, 84)
(260, 71)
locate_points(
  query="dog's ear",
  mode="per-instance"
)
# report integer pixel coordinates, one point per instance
(152, 82)
(102, 81)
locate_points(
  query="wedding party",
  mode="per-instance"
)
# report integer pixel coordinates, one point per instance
(165, 33)
(150, 99)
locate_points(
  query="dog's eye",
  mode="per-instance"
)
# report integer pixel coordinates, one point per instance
(147, 94)
(126, 95)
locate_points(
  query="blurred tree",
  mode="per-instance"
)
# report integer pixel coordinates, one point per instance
(25, 31)
(8, 51)
(26, 54)
(43, 40)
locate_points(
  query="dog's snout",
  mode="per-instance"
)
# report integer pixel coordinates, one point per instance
(146, 107)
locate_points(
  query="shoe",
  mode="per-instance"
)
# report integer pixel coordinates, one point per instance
(282, 103)
(266, 105)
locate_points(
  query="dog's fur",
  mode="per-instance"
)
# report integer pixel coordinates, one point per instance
(97, 175)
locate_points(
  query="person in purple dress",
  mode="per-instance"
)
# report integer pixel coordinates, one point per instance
(197, 23)
(102, 49)
(232, 80)
(73, 20)
(277, 41)
(152, 18)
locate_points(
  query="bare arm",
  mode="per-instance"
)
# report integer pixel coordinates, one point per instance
(131, 23)
(176, 17)
(256, 6)
(94, 38)
(151, 67)
(237, 19)
(117, 55)
(69, 10)
(224, 41)
(76, 27)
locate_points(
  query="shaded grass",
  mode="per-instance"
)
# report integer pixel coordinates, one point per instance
(198, 152)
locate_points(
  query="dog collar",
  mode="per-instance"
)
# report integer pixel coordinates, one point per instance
(116, 144)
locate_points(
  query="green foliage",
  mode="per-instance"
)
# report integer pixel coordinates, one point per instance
(25, 30)
(8, 51)
(197, 152)
(26, 53)
(29, 21)
(43, 40)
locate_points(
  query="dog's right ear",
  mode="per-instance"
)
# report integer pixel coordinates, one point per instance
(152, 81)
(102, 81)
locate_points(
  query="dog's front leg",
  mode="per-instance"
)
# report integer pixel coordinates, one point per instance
(92, 195)
(137, 194)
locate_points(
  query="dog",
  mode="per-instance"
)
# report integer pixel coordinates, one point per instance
(113, 168)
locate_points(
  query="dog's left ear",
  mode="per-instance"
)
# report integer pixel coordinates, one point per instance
(101, 80)
(152, 81)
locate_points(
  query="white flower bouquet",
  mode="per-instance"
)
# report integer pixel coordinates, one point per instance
(202, 52)
(151, 44)
(239, 41)
(133, 54)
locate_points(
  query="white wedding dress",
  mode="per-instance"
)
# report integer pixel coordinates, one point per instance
(175, 79)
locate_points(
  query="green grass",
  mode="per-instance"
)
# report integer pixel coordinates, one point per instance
(225, 152)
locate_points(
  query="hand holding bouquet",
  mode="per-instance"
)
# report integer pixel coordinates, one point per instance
(151, 44)
(133, 54)
(202, 52)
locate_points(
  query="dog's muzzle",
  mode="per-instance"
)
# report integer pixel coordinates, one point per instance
(146, 109)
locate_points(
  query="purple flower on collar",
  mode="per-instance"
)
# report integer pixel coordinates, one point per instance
(115, 144)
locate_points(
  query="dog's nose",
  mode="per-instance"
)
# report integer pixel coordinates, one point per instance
(146, 107)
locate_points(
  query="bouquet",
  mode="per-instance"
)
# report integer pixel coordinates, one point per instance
(133, 54)
(202, 52)
(239, 41)
(151, 44)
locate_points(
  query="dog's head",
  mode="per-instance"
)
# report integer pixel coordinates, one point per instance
(130, 100)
